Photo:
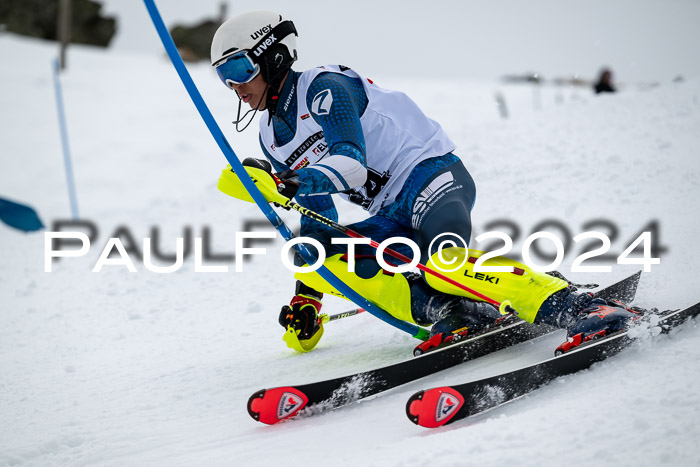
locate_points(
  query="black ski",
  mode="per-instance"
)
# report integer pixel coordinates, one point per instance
(439, 406)
(273, 405)
(624, 290)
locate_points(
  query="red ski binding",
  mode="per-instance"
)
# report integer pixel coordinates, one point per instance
(437, 341)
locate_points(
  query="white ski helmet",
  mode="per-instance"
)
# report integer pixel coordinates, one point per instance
(268, 39)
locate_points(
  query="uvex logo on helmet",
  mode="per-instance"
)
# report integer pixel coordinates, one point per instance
(261, 32)
(264, 45)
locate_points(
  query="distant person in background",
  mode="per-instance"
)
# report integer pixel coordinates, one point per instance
(604, 83)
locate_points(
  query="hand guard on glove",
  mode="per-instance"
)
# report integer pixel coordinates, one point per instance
(287, 181)
(277, 189)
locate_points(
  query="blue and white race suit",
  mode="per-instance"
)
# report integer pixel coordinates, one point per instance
(343, 134)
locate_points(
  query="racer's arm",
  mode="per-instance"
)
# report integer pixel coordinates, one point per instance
(336, 102)
(320, 203)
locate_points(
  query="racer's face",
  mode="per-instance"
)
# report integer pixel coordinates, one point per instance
(252, 92)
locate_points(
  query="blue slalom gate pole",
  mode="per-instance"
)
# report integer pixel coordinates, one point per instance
(64, 140)
(259, 199)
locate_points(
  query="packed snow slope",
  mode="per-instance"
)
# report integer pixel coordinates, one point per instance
(122, 368)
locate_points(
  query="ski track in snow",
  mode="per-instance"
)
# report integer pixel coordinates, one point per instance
(122, 368)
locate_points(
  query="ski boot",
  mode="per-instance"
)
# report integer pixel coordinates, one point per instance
(462, 318)
(595, 318)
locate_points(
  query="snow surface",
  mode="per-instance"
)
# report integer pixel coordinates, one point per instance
(125, 369)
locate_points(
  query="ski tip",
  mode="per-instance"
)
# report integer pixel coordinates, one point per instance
(413, 407)
(270, 406)
(434, 407)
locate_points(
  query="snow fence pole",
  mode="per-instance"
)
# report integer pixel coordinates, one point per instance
(64, 140)
(274, 219)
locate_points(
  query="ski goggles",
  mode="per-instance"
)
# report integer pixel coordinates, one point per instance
(239, 68)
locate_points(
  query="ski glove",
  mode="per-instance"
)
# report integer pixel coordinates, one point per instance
(302, 312)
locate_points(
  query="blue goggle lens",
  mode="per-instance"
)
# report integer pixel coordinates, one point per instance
(237, 69)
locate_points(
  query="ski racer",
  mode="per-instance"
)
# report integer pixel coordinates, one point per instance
(330, 130)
